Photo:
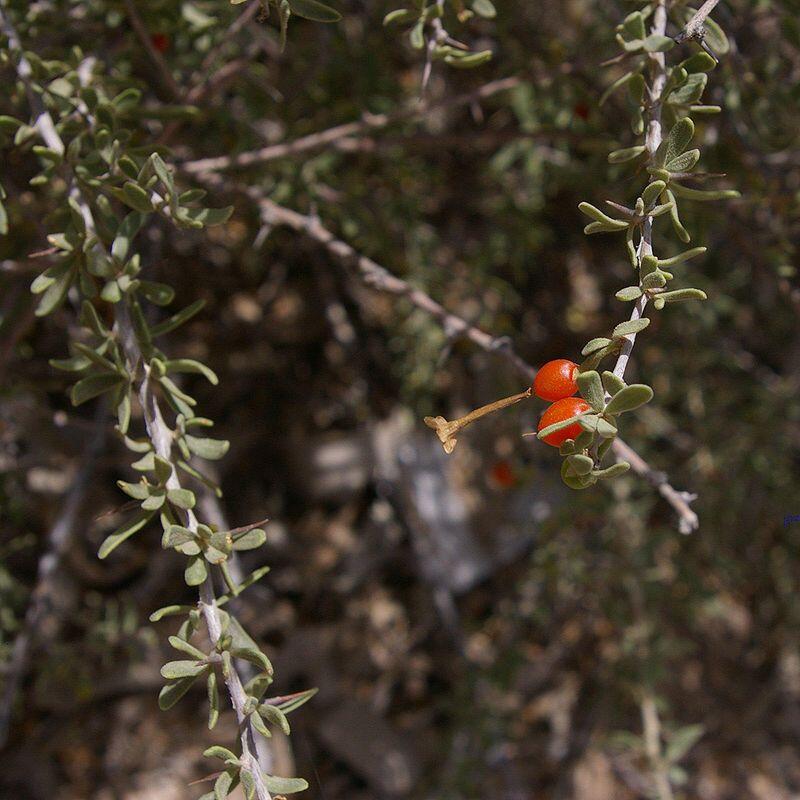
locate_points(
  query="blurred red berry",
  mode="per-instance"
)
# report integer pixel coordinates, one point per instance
(558, 412)
(581, 110)
(160, 42)
(502, 474)
(556, 380)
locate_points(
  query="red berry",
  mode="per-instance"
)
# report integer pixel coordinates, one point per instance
(160, 42)
(556, 380)
(581, 110)
(503, 475)
(558, 412)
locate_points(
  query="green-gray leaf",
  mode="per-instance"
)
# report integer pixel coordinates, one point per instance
(656, 43)
(159, 293)
(196, 571)
(626, 154)
(681, 257)
(484, 8)
(557, 426)
(275, 715)
(629, 398)
(679, 296)
(595, 344)
(185, 647)
(605, 429)
(612, 383)
(58, 280)
(210, 449)
(284, 785)
(192, 366)
(183, 498)
(137, 198)
(182, 669)
(292, 702)
(94, 385)
(177, 319)
(591, 388)
(126, 530)
(704, 194)
(250, 540)
(172, 692)
(678, 140)
(630, 327)
(612, 471)
(629, 293)
(684, 162)
(576, 465)
(313, 10)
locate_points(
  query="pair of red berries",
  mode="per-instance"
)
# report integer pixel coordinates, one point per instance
(555, 381)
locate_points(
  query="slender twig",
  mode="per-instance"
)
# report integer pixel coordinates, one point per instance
(367, 123)
(380, 279)
(652, 139)
(242, 19)
(694, 27)
(58, 543)
(688, 521)
(159, 433)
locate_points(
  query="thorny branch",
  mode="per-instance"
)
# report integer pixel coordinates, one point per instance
(160, 434)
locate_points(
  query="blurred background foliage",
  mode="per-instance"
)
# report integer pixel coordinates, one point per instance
(476, 630)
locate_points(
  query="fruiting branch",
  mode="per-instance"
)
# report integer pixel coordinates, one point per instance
(379, 278)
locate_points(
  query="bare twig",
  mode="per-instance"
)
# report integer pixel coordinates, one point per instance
(688, 521)
(159, 433)
(695, 26)
(368, 122)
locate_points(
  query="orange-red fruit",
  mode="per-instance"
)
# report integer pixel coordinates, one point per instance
(556, 380)
(558, 412)
(160, 42)
(503, 475)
